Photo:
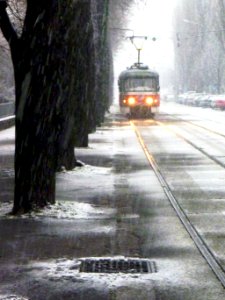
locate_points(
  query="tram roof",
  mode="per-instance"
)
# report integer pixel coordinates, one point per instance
(138, 71)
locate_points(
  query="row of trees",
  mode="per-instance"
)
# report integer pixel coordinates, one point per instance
(62, 68)
(199, 28)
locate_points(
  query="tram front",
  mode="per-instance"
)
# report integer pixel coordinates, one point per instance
(139, 91)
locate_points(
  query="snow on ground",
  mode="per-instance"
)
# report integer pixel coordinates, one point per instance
(68, 209)
(11, 297)
(64, 273)
(61, 210)
(7, 142)
(67, 270)
(89, 183)
(7, 134)
(87, 170)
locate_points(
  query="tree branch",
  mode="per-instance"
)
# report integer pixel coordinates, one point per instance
(6, 26)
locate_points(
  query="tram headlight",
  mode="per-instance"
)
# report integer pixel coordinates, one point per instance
(131, 100)
(149, 100)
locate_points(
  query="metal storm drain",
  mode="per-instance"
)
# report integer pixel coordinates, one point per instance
(126, 265)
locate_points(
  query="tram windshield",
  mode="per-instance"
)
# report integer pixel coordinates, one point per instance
(141, 84)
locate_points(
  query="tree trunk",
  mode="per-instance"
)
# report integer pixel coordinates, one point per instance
(54, 67)
(42, 105)
(36, 96)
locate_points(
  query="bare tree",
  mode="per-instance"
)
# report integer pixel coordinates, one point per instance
(199, 44)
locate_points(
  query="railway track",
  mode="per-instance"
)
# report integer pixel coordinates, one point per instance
(193, 232)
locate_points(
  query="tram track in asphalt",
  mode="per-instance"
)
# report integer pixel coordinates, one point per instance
(205, 128)
(196, 237)
(190, 142)
(200, 126)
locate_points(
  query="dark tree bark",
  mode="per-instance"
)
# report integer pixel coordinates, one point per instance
(42, 123)
(92, 49)
(37, 73)
(55, 68)
(103, 57)
(84, 51)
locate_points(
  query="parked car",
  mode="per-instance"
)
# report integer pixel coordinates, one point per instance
(184, 98)
(180, 98)
(218, 101)
(194, 99)
(191, 98)
(203, 100)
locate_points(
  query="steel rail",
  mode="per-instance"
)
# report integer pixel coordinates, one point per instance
(196, 237)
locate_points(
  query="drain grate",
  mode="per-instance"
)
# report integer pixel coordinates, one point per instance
(126, 265)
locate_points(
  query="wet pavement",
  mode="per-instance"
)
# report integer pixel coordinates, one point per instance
(112, 207)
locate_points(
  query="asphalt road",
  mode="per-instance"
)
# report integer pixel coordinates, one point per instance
(116, 207)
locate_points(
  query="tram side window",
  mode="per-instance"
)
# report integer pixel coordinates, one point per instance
(135, 84)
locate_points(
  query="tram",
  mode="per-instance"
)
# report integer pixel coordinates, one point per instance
(139, 91)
